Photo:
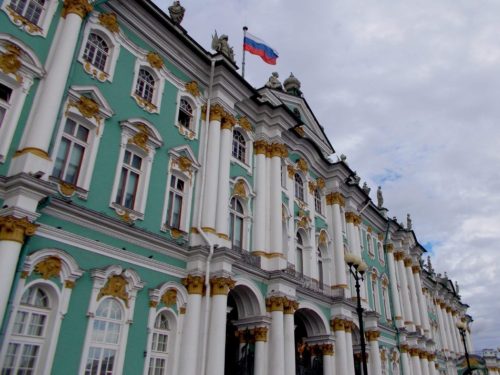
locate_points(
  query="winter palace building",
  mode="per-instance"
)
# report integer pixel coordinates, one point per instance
(159, 215)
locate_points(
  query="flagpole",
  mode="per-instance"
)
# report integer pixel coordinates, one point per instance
(243, 62)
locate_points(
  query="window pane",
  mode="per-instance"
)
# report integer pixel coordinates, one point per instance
(131, 190)
(62, 154)
(92, 366)
(28, 359)
(82, 133)
(20, 321)
(5, 93)
(10, 358)
(2, 115)
(37, 325)
(70, 127)
(121, 186)
(74, 164)
(238, 232)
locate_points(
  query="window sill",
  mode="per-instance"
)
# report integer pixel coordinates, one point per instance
(68, 190)
(126, 214)
(243, 165)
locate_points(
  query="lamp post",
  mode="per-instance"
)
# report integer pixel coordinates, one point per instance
(462, 327)
(357, 269)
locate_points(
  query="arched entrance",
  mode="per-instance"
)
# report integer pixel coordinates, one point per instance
(308, 349)
(240, 341)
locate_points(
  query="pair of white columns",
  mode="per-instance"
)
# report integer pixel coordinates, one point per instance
(415, 310)
(394, 286)
(404, 289)
(335, 201)
(344, 360)
(375, 362)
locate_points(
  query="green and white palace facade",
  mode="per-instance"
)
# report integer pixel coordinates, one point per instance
(159, 215)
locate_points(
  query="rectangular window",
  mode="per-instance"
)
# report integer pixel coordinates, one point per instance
(175, 201)
(5, 95)
(69, 158)
(129, 180)
(300, 265)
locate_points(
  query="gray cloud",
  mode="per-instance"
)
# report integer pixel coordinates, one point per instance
(409, 92)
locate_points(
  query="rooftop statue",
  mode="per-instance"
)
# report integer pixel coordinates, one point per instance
(366, 189)
(292, 85)
(221, 45)
(176, 11)
(380, 198)
(274, 82)
(408, 222)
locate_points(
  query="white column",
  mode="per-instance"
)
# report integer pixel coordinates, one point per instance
(216, 350)
(336, 200)
(350, 354)
(447, 327)
(260, 351)
(415, 361)
(276, 238)
(413, 294)
(259, 222)
(13, 231)
(442, 327)
(432, 365)
(222, 216)
(405, 360)
(277, 337)
(407, 313)
(212, 169)
(34, 146)
(421, 300)
(338, 326)
(424, 364)
(394, 286)
(375, 362)
(289, 336)
(350, 217)
(453, 330)
(177, 349)
(188, 359)
(328, 361)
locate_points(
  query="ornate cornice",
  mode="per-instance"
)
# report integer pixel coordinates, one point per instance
(78, 7)
(15, 229)
(220, 286)
(194, 284)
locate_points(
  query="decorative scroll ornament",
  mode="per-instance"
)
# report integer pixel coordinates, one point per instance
(169, 298)
(87, 107)
(66, 189)
(239, 189)
(14, 229)
(154, 60)
(176, 233)
(184, 163)
(291, 171)
(49, 267)
(320, 183)
(323, 239)
(302, 165)
(312, 187)
(9, 60)
(141, 138)
(116, 286)
(23, 22)
(245, 124)
(143, 103)
(126, 216)
(221, 285)
(96, 73)
(109, 21)
(228, 121)
(192, 88)
(299, 130)
(78, 7)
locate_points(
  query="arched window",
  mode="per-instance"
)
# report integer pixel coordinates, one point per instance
(31, 10)
(369, 244)
(317, 201)
(105, 338)
(239, 146)
(299, 187)
(321, 278)
(145, 86)
(299, 254)
(185, 117)
(236, 223)
(96, 51)
(29, 333)
(159, 345)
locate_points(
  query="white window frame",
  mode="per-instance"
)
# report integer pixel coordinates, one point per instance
(304, 188)
(196, 103)
(369, 244)
(159, 75)
(20, 82)
(247, 164)
(242, 216)
(134, 284)
(43, 25)
(93, 26)
(380, 252)
(318, 201)
(188, 175)
(385, 296)
(60, 295)
(374, 290)
(130, 128)
(300, 247)
(95, 125)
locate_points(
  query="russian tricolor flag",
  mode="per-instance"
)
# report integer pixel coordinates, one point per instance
(258, 47)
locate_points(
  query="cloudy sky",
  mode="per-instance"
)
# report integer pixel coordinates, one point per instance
(410, 92)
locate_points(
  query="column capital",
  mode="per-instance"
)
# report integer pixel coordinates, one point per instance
(327, 349)
(16, 229)
(335, 198)
(261, 333)
(404, 348)
(221, 285)
(227, 121)
(414, 352)
(389, 247)
(350, 217)
(278, 150)
(216, 112)
(415, 269)
(399, 255)
(194, 284)
(372, 335)
(337, 324)
(408, 262)
(78, 7)
(348, 326)
(423, 354)
(260, 147)
(275, 303)
(290, 306)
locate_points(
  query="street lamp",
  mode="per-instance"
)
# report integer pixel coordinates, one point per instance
(357, 269)
(462, 327)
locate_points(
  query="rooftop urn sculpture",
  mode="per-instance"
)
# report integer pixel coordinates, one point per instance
(221, 45)
(176, 11)
(274, 82)
(292, 85)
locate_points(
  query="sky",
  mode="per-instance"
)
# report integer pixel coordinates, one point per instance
(409, 91)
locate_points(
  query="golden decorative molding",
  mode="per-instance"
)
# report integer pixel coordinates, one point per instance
(69, 284)
(348, 326)
(78, 7)
(182, 310)
(335, 198)
(140, 138)
(216, 112)
(350, 217)
(414, 352)
(403, 348)
(9, 60)
(169, 298)
(153, 304)
(291, 171)
(399, 255)
(193, 88)
(223, 236)
(312, 187)
(33, 150)
(357, 220)
(369, 229)
(15, 229)
(389, 247)
(143, 103)
(220, 286)
(260, 147)
(49, 267)
(320, 183)
(338, 324)
(327, 349)
(323, 238)
(372, 335)
(275, 303)
(109, 21)
(415, 269)
(209, 230)
(245, 124)
(87, 107)
(194, 284)
(299, 130)
(268, 255)
(423, 355)
(21, 21)
(228, 121)
(176, 233)
(290, 306)
(184, 163)
(260, 333)
(302, 165)
(66, 188)
(155, 60)
(116, 286)
(239, 189)
(408, 262)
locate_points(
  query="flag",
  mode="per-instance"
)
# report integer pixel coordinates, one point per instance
(258, 47)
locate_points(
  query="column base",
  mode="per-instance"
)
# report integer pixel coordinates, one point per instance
(33, 161)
